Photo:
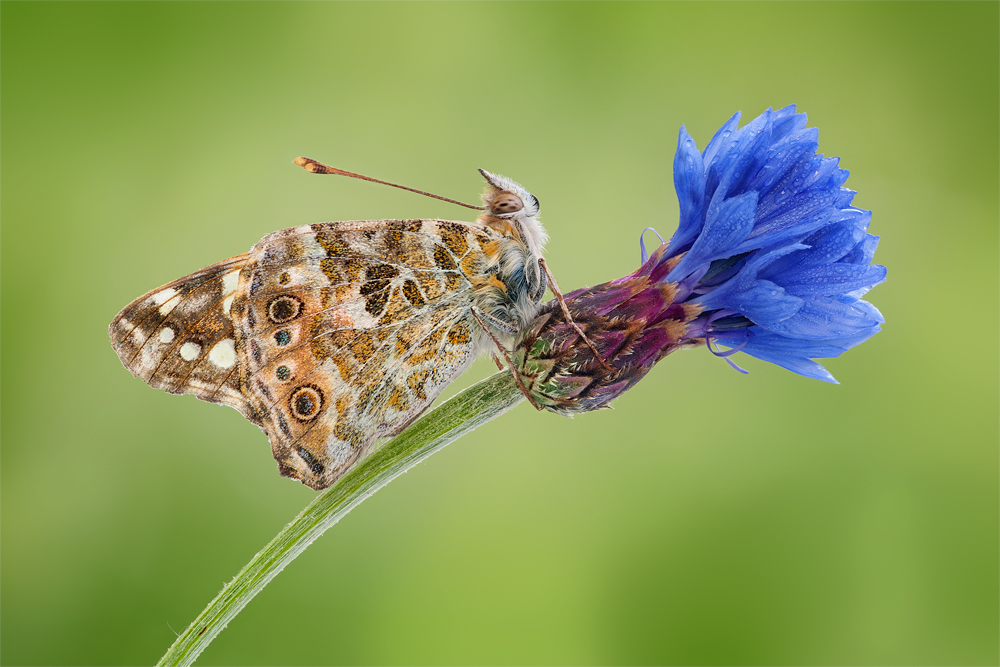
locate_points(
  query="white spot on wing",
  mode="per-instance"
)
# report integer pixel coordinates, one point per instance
(227, 303)
(223, 353)
(166, 335)
(190, 351)
(164, 295)
(229, 281)
(138, 337)
(170, 304)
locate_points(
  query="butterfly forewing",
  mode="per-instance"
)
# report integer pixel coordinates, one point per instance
(347, 331)
(180, 337)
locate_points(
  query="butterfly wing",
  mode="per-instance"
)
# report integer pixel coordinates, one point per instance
(347, 331)
(180, 337)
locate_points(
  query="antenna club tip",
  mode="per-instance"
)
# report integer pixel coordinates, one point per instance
(308, 164)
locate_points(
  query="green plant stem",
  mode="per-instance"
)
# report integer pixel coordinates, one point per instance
(451, 420)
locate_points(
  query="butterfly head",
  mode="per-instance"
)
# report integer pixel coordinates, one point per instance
(506, 199)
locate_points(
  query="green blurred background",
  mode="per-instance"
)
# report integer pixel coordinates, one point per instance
(711, 518)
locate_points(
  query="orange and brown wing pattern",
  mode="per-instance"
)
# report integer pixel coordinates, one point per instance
(347, 331)
(180, 337)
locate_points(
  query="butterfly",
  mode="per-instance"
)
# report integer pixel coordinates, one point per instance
(330, 336)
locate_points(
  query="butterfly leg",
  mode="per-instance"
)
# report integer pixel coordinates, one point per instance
(498, 323)
(535, 293)
(554, 286)
(480, 316)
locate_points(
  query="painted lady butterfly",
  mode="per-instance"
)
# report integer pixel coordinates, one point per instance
(330, 336)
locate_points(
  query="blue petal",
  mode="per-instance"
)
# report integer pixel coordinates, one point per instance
(721, 138)
(803, 214)
(762, 301)
(827, 175)
(863, 252)
(794, 354)
(791, 174)
(844, 196)
(801, 365)
(823, 317)
(809, 172)
(785, 122)
(725, 227)
(766, 347)
(689, 182)
(736, 163)
(825, 246)
(833, 280)
(869, 308)
(782, 157)
(765, 303)
(762, 339)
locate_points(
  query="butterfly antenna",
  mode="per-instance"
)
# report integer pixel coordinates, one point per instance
(315, 167)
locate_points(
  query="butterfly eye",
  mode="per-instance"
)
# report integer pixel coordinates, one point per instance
(505, 203)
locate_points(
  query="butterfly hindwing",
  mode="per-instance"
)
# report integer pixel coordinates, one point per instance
(347, 331)
(180, 337)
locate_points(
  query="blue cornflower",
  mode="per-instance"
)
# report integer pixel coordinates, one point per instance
(769, 259)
